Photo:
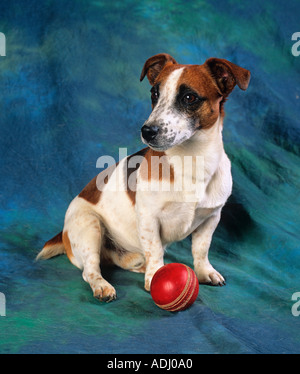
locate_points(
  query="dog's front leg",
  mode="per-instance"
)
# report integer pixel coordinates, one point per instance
(201, 239)
(151, 245)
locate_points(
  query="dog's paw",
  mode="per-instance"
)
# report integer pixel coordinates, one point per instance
(148, 284)
(208, 275)
(149, 275)
(104, 291)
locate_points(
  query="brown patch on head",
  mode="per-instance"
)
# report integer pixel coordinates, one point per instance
(212, 82)
(195, 78)
(154, 65)
(226, 75)
(67, 245)
(156, 166)
(165, 72)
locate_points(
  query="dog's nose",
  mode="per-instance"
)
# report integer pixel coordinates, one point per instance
(149, 132)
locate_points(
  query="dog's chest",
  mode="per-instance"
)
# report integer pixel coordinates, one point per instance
(178, 220)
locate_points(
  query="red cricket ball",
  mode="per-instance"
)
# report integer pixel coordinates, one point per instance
(174, 287)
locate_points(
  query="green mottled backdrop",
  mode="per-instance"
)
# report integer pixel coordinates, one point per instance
(70, 92)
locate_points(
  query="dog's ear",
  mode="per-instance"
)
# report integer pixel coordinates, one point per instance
(227, 75)
(154, 65)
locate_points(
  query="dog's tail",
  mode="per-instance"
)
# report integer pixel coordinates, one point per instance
(52, 247)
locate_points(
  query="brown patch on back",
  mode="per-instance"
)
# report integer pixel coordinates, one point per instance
(198, 79)
(67, 245)
(91, 193)
(130, 172)
(156, 167)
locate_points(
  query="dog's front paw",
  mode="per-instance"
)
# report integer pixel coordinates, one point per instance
(148, 280)
(104, 291)
(149, 275)
(148, 284)
(208, 275)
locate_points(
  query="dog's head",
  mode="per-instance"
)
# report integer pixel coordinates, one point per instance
(187, 98)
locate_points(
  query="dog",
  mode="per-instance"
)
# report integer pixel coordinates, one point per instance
(131, 211)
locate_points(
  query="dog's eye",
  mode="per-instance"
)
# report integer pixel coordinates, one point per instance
(154, 96)
(190, 99)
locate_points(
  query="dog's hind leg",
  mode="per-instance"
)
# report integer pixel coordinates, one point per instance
(83, 236)
(112, 254)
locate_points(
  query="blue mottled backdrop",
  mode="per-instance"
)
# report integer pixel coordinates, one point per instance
(70, 92)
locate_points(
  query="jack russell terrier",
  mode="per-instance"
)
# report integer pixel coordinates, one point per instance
(130, 212)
